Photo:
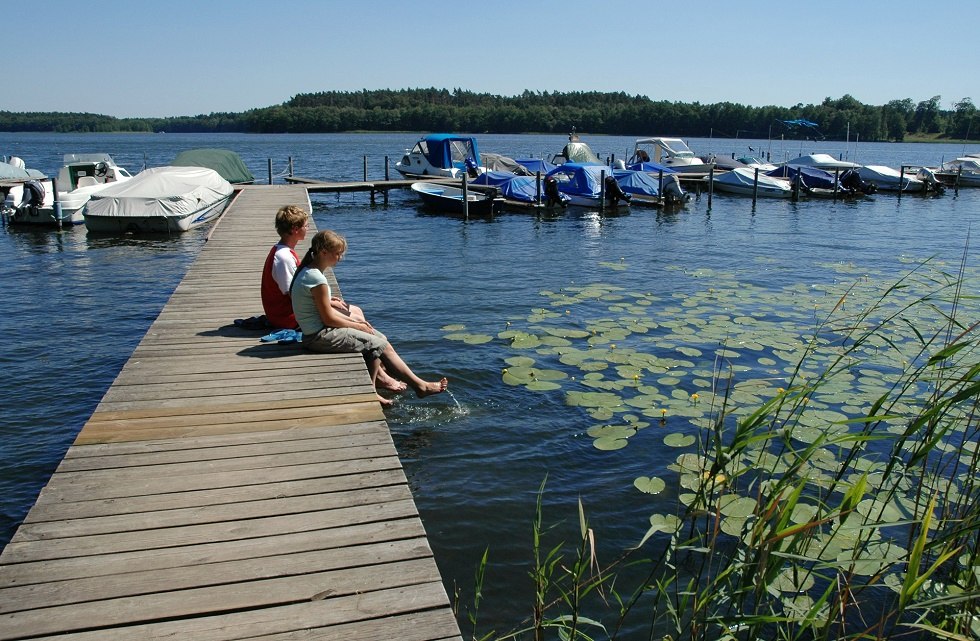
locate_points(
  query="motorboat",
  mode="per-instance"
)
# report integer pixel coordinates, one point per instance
(960, 172)
(889, 179)
(447, 155)
(25, 191)
(447, 199)
(161, 199)
(585, 184)
(753, 162)
(80, 176)
(669, 152)
(666, 188)
(821, 161)
(823, 184)
(228, 164)
(751, 182)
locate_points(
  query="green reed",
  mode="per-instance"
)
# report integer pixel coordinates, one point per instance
(879, 541)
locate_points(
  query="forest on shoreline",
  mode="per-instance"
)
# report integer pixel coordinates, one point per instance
(543, 112)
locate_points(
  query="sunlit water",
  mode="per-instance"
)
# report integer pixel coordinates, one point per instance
(76, 305)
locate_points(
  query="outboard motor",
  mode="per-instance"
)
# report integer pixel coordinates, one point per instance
(673, 192)
(851, 180)
(471, 169)
(33, 194)
(551, 193)
(928, 176)
(615, 193)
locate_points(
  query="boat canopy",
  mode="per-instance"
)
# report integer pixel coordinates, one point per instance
(580, 179)
(498, 162)
(228, 164)
(579, 152)
(637, 182)
(651, 167)
(513, 187)
(449, 150)
(810, 177)
(16, 172)
(161, 191)
(672, 146)
(823, 161)
(534, 165)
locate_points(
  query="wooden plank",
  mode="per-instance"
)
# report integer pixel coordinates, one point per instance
(225, 488)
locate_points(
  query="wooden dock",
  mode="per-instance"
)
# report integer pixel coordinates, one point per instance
(226, 488)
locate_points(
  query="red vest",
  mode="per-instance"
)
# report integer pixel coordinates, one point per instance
(278, 307)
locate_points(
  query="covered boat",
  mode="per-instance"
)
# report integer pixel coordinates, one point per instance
(448, 155)
(523, 189)
(809, 177)
(649, 188)
(535, 165)
(583, 184)
(228, 164)
(742, 181)
(25, 191)
(821, 161)
(162, 199)
(447, 199)
(888, 179)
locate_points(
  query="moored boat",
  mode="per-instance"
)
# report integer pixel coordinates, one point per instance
(227, 163)
(25, 191)
(585, 184)
(669, 152)
(821, 161)
(960, 172)
(889, 179)
(449, 200)
(161, 199)
(448, 155)
(749, 182)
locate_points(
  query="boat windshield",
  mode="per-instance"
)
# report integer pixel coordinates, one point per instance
(676, 147)
(460, 150)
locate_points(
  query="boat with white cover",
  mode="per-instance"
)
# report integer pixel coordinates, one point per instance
(162, 199)
(821, 161)
(742, 181)
(889, 179)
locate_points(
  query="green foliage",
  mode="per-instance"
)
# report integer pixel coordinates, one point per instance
(614, 113)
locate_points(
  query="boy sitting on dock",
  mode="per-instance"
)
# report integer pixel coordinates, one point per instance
(277, 274)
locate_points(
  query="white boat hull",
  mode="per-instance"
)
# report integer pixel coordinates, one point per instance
(155, 223)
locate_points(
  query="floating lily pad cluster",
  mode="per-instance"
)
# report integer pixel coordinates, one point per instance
(714, 353)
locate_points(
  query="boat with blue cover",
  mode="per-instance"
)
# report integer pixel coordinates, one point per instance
(583, 184)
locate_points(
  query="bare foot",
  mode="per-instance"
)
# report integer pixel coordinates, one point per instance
(385, 402)
(428, 389)
(385, 381)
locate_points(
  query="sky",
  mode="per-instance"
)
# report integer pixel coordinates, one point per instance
(157, 58)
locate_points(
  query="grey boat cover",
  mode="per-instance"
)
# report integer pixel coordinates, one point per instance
(161, 192)
(12, 172)
(227, 163)
(497, 162)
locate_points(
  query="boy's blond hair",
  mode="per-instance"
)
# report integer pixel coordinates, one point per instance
(289, 217)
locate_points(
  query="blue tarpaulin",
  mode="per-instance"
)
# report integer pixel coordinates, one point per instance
(512, 187)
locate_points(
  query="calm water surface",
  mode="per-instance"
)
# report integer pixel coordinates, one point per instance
(75, 306)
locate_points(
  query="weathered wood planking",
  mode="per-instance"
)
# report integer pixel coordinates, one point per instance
(227, 489)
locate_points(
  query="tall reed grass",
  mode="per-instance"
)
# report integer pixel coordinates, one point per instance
(791, 526)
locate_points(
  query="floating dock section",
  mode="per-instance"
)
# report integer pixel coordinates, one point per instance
(225, 488)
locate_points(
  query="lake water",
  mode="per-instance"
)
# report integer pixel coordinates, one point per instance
(75, 306)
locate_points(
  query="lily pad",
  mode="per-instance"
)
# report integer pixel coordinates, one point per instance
(649, 485)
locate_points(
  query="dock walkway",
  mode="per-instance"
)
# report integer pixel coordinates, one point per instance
(227, 489)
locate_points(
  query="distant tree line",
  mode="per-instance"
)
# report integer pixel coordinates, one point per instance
(543, 112)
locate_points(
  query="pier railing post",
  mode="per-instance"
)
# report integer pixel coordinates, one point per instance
(365, 168)
(270, 171)
(56, 207)
(836, 182)
(537, 187)
(290, 166)
(755, 186)
(466, 199)
(602, 191)
(711, 184)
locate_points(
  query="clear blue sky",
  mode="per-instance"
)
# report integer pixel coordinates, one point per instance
(145, 58)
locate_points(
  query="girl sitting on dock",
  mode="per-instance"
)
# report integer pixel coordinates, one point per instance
(277, 275)
(325, 329)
